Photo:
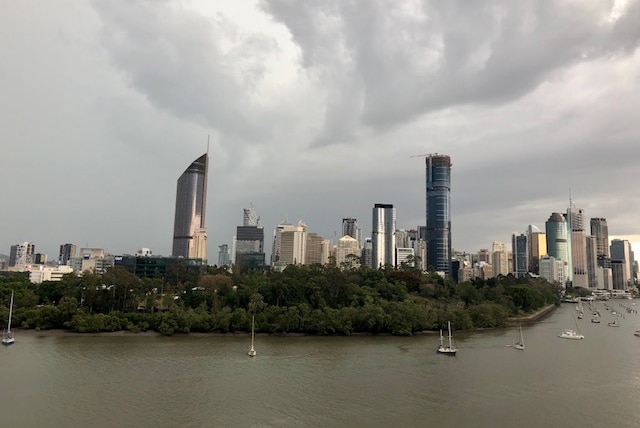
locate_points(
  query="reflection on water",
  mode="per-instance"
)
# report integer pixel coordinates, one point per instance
(204, 381)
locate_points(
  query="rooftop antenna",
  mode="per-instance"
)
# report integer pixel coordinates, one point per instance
(207, 144)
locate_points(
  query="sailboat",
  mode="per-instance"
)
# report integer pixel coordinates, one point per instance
(614, 323)
(448, 350)
(8, 336)
(520, 344)
(572, 334)
(580, 310)
(252, 352)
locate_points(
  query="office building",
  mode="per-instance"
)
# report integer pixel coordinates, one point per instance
(499, 259)
(558, 245)
(350, 228)
(67, 252)
(438, 212)
(347, 252)
(520, 249)
(189, 231)
(405, 256)
(600, 231)
(289, 245)
(553, 270)
(537, 247)
(249, 244)
(592, 262)
(224, 258)
(92, 259)
(578, 240)
(383, 236)
(22, 254)
(366, 258)
(621, 263)
(318, 250)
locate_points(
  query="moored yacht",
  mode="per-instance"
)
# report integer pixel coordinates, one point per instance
(571, 334)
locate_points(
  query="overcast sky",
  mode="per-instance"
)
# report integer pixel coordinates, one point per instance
(316, 111)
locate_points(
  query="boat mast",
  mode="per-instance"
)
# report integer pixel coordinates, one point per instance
(252, 320)
(10, 312)
(449, 322)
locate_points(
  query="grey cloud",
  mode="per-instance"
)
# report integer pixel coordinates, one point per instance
(409, 62)
(181, 62)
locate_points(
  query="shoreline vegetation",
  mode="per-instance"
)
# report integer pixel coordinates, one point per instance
(301, 300)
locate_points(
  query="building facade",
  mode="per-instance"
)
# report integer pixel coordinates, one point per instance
(67, 252)
(348, 252)
(22, 254)
(499, 259)
(558, 245)
(621, 263)
(438, 212)
(578, 239)
(350, 228)
(249, 244)
(537, 247)
(189, 230)
(600, 231)
(383, 236)
(520, 249)
(318, 250)
(289, 245)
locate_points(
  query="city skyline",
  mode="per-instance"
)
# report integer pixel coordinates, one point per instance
(314, 115)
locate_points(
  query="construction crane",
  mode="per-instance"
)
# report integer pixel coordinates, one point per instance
(424, 156)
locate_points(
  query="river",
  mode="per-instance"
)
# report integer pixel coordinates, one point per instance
(65, 380)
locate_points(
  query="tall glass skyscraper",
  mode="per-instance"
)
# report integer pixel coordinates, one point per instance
(600, 231)
(558, 242)
(189, 232)
(438, 231)
(383, 236)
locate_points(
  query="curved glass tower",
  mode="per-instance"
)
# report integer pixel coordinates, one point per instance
(189, 232)
(559, 242)
(438, 231)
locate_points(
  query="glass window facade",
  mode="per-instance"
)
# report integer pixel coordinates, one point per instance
(191, 201)
(438, 213)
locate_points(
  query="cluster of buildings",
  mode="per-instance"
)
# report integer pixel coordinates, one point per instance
(563, 253)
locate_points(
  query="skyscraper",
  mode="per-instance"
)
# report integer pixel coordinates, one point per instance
(621, 263)
(520, 249)
(67, 252)
(189, 231)
(537, 247)
(578, 239)
(249, 244)
(558, 242)
(600, 231)
(383, 236)
(289, 245)
(499, 259)
(438, 214)
(350, 228)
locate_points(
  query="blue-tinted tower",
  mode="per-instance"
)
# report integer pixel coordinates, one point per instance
(438, 230)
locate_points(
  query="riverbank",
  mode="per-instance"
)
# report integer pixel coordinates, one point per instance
(512, 321)
(532, 318)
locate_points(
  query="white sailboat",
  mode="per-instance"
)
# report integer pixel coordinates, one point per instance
(252, 352)
(8, 336)
(447, 350)
(572, 334)
(520, 344)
